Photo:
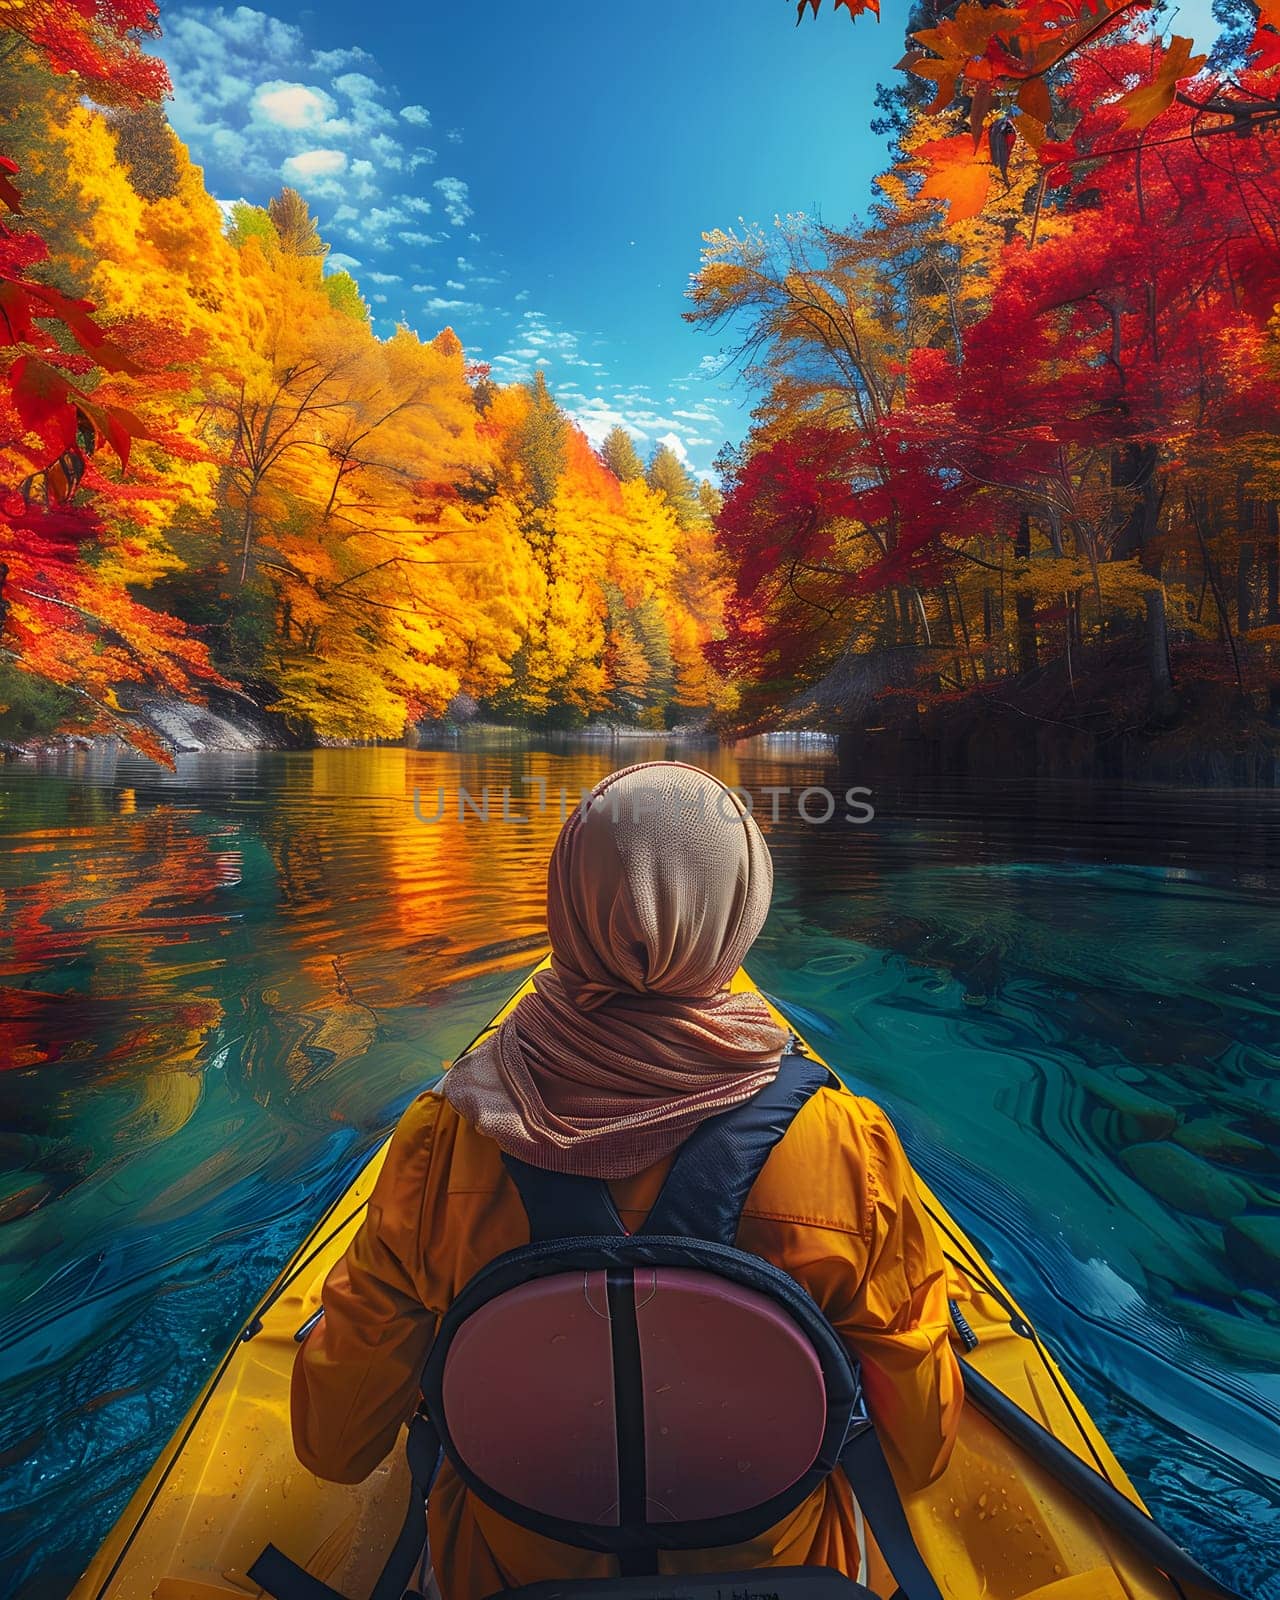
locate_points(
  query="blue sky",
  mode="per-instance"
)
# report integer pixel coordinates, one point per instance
(539, 176)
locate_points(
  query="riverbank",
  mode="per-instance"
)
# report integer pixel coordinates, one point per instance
(1097, 726)
(233, 723)
(1097, 721)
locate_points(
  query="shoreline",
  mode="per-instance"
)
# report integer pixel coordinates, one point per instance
(1204, 751)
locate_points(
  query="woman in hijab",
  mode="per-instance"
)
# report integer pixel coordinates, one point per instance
(630, 1039)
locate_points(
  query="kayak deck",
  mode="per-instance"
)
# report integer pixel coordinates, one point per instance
(996, 1525)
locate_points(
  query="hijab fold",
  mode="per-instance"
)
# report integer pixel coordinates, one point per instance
(657, 887)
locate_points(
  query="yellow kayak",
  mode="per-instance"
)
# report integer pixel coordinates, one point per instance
(1008, 1520)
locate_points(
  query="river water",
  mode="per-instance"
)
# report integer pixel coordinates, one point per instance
(219, 987)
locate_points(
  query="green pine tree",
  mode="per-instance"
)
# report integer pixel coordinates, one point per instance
(252, 222)
(542, 446)
(668, 476)
(344, 295)
(619, 454)
(655, 640)
(710, 500)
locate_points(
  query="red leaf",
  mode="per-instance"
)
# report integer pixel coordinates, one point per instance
(117, 426)
(1033, 98)
(1058, 159)
(16, 325)
(42, 398)
(74, 315)
(1265, 50)
(9, 192)
(1002, 137)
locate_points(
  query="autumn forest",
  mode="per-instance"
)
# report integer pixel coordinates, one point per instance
(1014, 451)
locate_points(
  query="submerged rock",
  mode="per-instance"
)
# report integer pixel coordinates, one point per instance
(1185, 1182)
(1140, 1117)
(1208, 1138)
(1253, 1246)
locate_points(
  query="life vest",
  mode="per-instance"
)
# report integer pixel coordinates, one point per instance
(630, 1393)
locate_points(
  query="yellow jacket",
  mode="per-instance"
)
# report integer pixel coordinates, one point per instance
(835, 1206)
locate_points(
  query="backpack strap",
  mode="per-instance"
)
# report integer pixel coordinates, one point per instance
(718, 1163)
(709, 1181)
(562, 1205)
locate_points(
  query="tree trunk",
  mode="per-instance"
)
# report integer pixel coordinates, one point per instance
(1024, 603)
(906, 616)
(248, 542)
(1273, 604)
(1244, 555)
(1163, 699)
(1133, 473)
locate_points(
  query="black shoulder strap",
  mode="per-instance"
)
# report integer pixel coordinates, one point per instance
(709, 1181)
(561, 1205)
(717, 1164)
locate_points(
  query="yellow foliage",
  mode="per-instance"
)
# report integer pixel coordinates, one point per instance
(362, 534)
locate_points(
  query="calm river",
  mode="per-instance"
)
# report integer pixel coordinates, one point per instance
(219, 987)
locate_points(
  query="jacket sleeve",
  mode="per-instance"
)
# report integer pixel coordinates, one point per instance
(898, 1321)
(355, 1379)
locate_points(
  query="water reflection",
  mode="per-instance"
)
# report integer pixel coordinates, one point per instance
(218, 987)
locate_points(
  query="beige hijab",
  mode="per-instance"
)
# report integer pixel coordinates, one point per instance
(656, 890)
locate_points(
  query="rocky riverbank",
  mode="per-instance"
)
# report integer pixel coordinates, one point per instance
(235, 723)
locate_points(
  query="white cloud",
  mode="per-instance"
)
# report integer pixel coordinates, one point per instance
(357, 86)
(454, 193)
(215, 58)
(595, 417)
(332, 60)
(245, 100)
(523, 295)
(339, 261)
(447, 305)
(452, 283)
(292, 105)
(454, 136)
(418, 115)
(674, 442)
(416, 202)
(309, 165)
(383, 277)
(386, 152)
(410, 237)
(424, 288)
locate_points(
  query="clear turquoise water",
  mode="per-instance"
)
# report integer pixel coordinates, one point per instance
(218, 988)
